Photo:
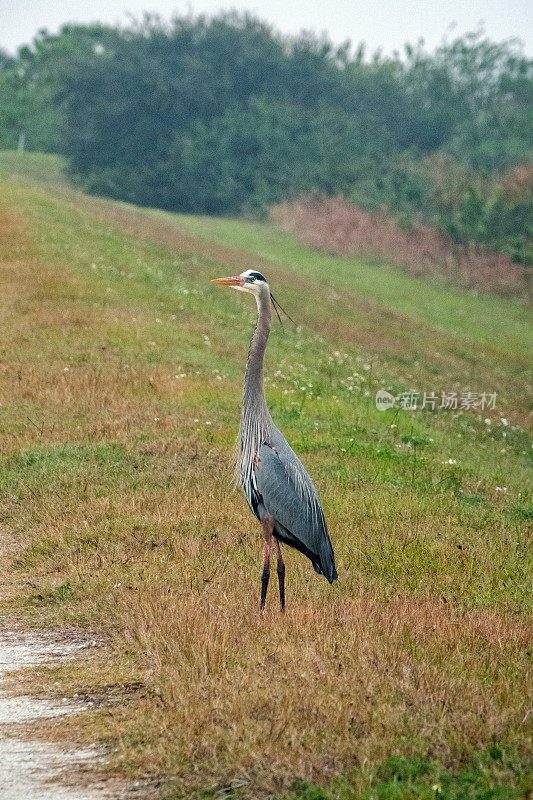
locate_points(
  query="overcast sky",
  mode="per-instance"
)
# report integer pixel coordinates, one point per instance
(386, 23)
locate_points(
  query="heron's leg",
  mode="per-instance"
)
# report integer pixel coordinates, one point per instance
(268, 527)
(281, 576)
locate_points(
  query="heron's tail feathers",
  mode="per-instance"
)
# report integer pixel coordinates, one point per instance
(325, 564)
(323, 561)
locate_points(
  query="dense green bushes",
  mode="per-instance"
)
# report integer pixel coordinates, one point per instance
(29, 85)
(226, 116)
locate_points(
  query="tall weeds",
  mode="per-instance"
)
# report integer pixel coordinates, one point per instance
(335, 226)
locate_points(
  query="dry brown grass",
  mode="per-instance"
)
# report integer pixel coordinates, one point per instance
(320, 691)
(335, 226)
(226, 696)
(258, 701)
(518, 182)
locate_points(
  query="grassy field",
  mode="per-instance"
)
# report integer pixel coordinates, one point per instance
(121, 369)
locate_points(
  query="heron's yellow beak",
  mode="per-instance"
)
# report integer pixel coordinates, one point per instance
(235, 280)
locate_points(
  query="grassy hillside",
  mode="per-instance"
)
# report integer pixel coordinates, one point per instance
(121, 370)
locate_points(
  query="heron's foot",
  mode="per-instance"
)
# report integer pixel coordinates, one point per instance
(264, 586)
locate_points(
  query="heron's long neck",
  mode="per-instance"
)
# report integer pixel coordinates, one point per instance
(256, 422)
(253, 394)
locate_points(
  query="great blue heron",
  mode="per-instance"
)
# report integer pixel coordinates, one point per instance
(277, 487)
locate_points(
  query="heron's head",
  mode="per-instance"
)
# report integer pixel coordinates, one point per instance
(253, 282)
(248, 281)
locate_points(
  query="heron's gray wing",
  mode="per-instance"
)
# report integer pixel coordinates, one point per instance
(295, 509)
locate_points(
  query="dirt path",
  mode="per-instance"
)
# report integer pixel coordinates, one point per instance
(31, 769)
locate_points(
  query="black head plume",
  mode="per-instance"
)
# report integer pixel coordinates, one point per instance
(277, 306)
(255, 276)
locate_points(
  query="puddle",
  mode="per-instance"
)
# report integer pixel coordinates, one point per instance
(29, 769)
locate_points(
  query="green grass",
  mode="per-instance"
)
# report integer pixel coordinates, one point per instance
(480, 318)
(489, 775)
(34, 167)
(120, 381)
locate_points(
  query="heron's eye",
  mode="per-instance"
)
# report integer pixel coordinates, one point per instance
(252, 280)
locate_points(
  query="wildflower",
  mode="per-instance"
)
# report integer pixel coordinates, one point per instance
(437, 787)
(504, 421)
(208, 422)
(394, 426)
(487, 421)
(156, 419)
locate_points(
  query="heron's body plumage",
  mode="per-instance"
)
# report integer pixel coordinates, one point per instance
(282, 490)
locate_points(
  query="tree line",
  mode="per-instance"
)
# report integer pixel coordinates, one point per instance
(226, 116)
